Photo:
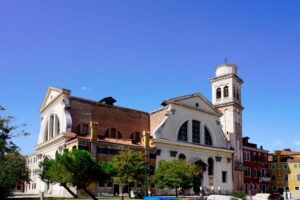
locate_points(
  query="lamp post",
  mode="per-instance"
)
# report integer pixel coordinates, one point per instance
(146, 136)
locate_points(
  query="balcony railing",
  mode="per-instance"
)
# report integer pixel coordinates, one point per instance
(264, 179)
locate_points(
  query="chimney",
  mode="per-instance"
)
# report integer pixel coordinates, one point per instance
(108, 101)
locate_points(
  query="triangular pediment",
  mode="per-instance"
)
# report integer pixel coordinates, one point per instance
(195, 101)
(52, 94)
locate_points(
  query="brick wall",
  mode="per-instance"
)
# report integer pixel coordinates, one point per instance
(125, 120)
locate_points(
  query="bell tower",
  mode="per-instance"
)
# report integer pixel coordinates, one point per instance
(226, 96)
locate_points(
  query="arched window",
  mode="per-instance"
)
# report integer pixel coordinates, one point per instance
(182, 156)
(46, 132)
(135, 137)
(183, 131)
(196, 131)
(208, 139)
(218, 93)
(254, 173)
(273, 178)
(113, 133)
(226, 92)
(52, 127)
(57, 125)
(210, 163)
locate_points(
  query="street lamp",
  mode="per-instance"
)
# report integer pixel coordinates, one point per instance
(146, 136)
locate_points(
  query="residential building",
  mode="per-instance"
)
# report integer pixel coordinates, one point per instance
(256, 168)
(285, 172)
(294, 176)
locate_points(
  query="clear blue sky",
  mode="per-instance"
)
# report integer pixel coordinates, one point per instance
(142, 52)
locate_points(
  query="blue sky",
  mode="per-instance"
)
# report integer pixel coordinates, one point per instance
(142, 52)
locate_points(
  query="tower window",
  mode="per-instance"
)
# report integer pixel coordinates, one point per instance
(237, 94)
(218, 93)
(226, 93)
(234, 92)
(182, 134)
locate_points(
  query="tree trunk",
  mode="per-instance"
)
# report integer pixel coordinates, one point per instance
(69, 190)
(89, 193)
(129, 195)
(176, 192)
(42, 196)
(121, 192)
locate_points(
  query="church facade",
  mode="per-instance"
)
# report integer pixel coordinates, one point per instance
(189, 127)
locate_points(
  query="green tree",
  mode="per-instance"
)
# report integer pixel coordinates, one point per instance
(76, 168)
(13, 168)
(174, 174)
(130, 168)
(49, 174)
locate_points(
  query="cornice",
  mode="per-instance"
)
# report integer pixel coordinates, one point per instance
(229, 104)
(226, 76)
(61, 90)
(255, 149)
(217, 113)
(192, 146)
(57, 138)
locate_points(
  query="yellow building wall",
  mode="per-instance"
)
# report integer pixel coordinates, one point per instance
(294, 170)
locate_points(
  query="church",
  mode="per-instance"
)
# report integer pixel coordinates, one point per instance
(189, 127)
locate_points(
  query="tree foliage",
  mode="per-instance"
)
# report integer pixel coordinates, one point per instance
(13, 168)
(130, 166)
(76, 168)
(174, 174)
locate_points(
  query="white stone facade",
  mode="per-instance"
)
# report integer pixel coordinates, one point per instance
(221, 120)
(186, 109)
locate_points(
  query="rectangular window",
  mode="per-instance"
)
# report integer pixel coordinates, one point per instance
(273, 166)
(298, 177)
(102, 150)
(295, 165)
(224, 177)
(85, 129)
(83, 147)
(196, 131)
(285, 166)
